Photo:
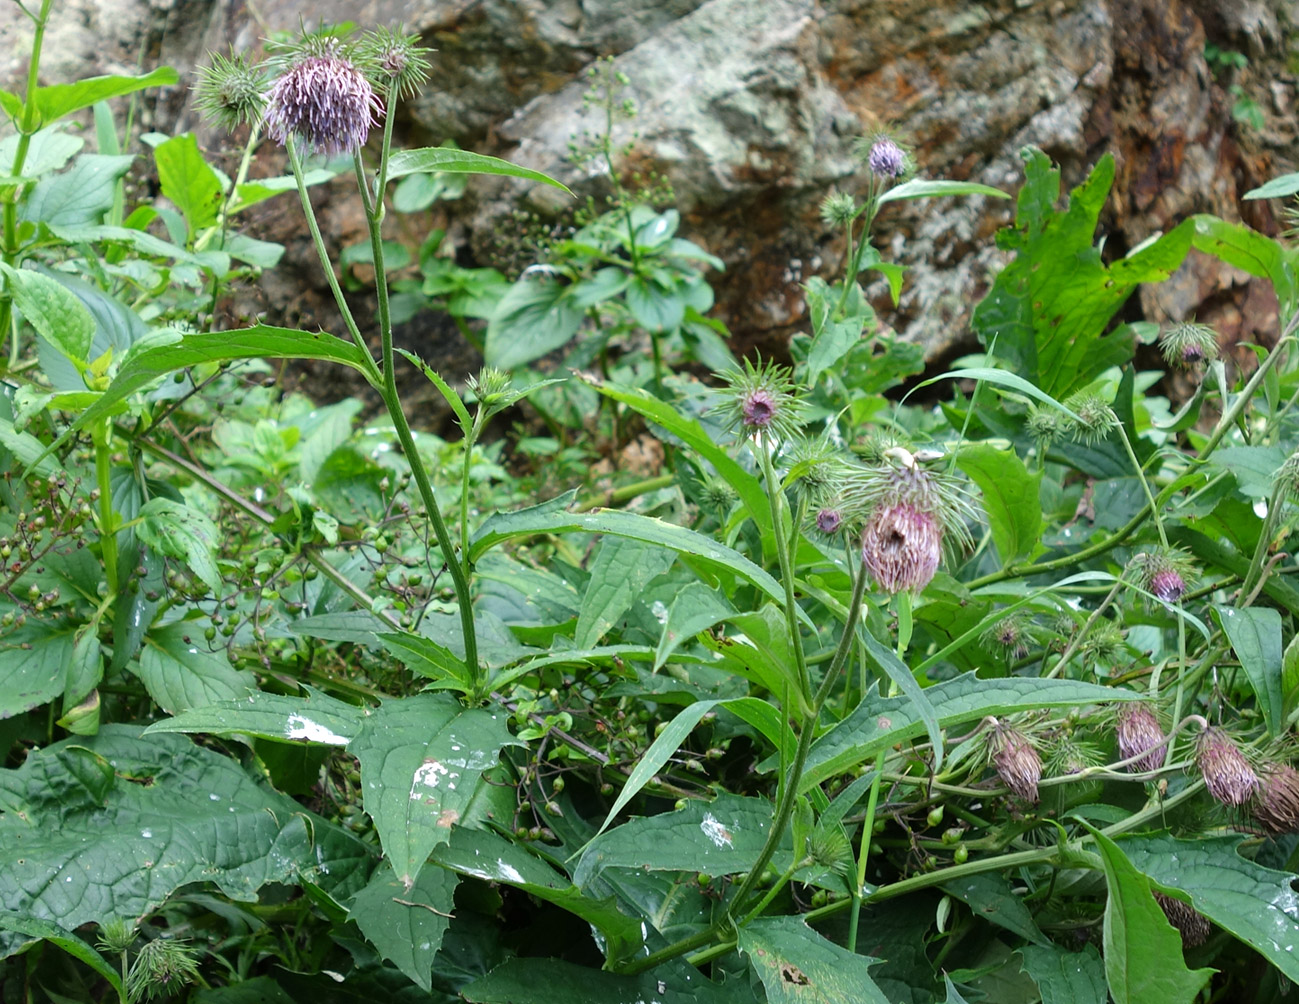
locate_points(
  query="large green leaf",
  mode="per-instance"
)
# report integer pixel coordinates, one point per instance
(1010, 498)
(484, 855)
(447, 160)
(621, 570)
(57, 100)
(1247, 249)
(1066, 977)
(421, 760)
(316, 718)
(880, 722)
(108, 827)
(1048, 309)
(537, 315)
(181, 531)
(180, 671)
(56, 314)
(79, 196)
(990, 898)
(554, 981)
(188, 181)
(699, 549)
(1255, 634)
(1258, 905)
(42, 930)
(694, 608)
(406, 924)
(1143, 952)
(33, 661)
(796, 964)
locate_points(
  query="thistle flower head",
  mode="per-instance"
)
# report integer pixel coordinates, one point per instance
(322, 99)
(1045, 424)
(116, 935)
(816, 469)
(1165, 573)
(901, 547)
(231, 92)
(1071, 756)
(1276, 806)
(838, 209)
(718, 495)
(1287, 476)
(762, 400)
(884, 155)
(1015, 760)
(1011, 635)
(829, 848)
(1095, 421)
(396, 59)
(1227, 774)
(1104, 643)
(1191, 925)
(163, 967)
(829, 520)
(1138, 732)
(1187, 345)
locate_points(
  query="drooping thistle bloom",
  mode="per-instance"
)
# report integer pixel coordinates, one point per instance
(1227, 774)
(1190, 924)
(762, 400)
(1276, 806)
(322, 100)
(1015, 760)
(1188, 345)
(1165, 573)
(1138, 732)
(911, 511)
(231, 92)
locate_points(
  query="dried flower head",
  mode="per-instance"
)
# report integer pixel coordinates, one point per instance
(1192, 926)
(1138, 732)
(838, 209)
(762, 400)
(231, 92)
(1165, 573)
(1276, 806)
(396, 59)
(1188, 345)
(1016, 760)
(322, 99)
(1227, 774)
(1095, 418)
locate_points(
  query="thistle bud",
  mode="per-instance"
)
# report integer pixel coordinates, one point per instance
(1094, 420)
(1227, 774)
(1164, 573)
(1010, 634)
(1016, 761)
(397, 59)
(1192, 926)
(1276, 806)
(838, 209)
(322, 100)
(1188, 345)
(231, 92)
(762, 400)
(1287, 476)
(1138, 732)
(828, 521)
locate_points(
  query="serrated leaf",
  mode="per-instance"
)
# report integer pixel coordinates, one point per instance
(56, 314)
(406, 924)
(1255, 635)
(831, 344)
(1010, 498)
(79, 196)
(1143, 952)
(110, 826)
(898, 671)
(314, 719)
(880, 722)
(695, 608)
(1247, 249)
(421, 760)
(621, 570)
(42, 930)
(537, 315)
(990, 898)
(33, 664)
(48, 150)
(181, 672)
(427, 658)
(188, 181)
(796, 964)
(1066, 977)
(1256, 904)
(180, 531)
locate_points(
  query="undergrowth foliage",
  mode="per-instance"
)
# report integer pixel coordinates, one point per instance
(841, 699)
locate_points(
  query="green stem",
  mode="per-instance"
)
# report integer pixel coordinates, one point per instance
(628, 492)
(1261, 549)
(1145, 485)
(776, 495)
(102, 434)
(867, 832)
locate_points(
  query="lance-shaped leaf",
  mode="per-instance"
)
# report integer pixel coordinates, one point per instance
(316, 719)
(421, 760)
(405, 924)
(796, 964)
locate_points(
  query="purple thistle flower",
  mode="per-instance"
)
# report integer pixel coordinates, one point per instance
(758, 408)
(886, 159)
(1192, 926)
(1227, 774)
(1138, 732)
(1168, 585)
(829, 520)
(324, 101)
(1276, 808)
(901, 547)
(1016, 761)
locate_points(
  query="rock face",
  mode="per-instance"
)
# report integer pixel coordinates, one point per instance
(751, 111)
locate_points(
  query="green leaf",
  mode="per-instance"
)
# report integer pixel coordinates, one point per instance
(695, 608)
(188, 181)
(316, 718)
(831, 344)
(537, 315)
(445, 389)
(447, 160)
(43, 930)
(406, 924)
(880, 722)
(1010, 498)
(179, 531)
(181, 672)
(33, 662)
(989, 897)
(1256, 904)
(620, 572)
(953, 995)
(1143, 953)
(1289, 676)
(1066, 977)
(421, 759)
(48, 150)
(485, 855)
(1003, 379)
(655, 309)
(1247, 249)
(665, 744)
(57, 100)
(110, 826)
(796, 964)
(1255, 635)
(1277, 188)
(699, 549)
(56, 314)
(427, 658)
(554, 981)
(902, 677)
(720, 837)
(1048, 310)
(79, 196)
(919, 188)
(250, 193)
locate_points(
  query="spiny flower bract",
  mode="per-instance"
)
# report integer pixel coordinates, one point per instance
(1138, 734)
(762, 400)
(396, 59)
(1227, 774)
(1189, 344)
(231, 92)
(322, 99)
(1016, 760)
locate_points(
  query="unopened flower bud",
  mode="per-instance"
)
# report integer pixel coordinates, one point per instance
(838, 209)
(1276, 807)
(1016, 761)
(828, 521)
(1188, 345)
(1138, 732)
(1227, 774)
(1094, 420)
(231, 92)
(1192, 926)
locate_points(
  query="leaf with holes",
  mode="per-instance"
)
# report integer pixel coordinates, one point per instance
(796, 964)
